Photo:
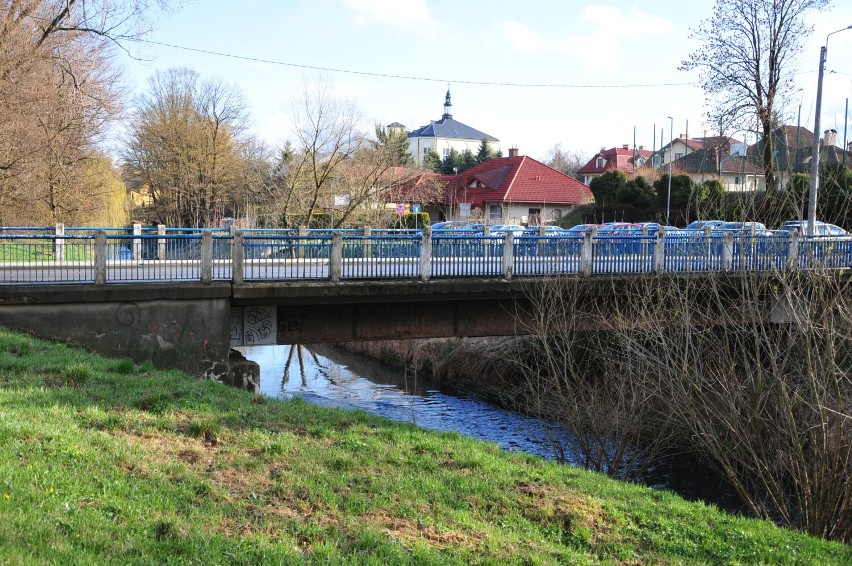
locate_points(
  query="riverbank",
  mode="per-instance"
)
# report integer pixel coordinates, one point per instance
(105, 461)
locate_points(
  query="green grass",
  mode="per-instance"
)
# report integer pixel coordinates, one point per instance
(105, 461)
(41, 251)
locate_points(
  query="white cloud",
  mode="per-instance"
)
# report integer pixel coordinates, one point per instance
(606, 30)
(407, 14)
(525, 40)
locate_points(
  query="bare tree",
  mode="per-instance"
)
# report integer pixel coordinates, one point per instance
(578, 376)
(568, 162)
(58, 87)
(187, 147)
(327, 132)
(745, 63)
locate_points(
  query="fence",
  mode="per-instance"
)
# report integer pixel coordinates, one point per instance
(42, 255)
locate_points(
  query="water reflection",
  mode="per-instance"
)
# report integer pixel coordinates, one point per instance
(329, 376)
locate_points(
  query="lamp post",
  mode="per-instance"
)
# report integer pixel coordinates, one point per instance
(812, 195)
(671, 158)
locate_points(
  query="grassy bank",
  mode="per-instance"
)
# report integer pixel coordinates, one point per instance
(105, 461)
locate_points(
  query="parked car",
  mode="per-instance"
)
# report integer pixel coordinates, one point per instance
(701, 225)
(820, 228)
(515, 229)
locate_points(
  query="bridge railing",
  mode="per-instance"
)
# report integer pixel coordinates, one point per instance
(32, 255)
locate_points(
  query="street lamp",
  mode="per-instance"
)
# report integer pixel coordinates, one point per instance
(812, 196)
(671, 158)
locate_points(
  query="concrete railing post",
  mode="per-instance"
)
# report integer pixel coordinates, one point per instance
(793, 250)
(206, 256)
(426, 254)
(727, 251)
(508, 254)
(161, 242)
(137, 242)
(335, 265)
(586, 254)
(368, 243)
(100, 258)
(237, 259)
(660, 251)
(59, 243)
(302, 232)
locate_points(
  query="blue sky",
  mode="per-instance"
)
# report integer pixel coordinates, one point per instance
(594, 52)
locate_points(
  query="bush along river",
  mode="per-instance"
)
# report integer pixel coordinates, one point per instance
(333, 377)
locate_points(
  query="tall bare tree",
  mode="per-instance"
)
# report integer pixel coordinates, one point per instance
(58, 87)
(746, 63)
(187, 147)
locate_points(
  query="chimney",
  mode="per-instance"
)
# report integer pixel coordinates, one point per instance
(830, 138)
(641, 147)
(513, 152)
(626, 146)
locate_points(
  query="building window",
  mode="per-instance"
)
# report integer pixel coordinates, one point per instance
(736, 180)
(425, 152)
(678, 155)
(599, 162)
(657, 161)
(446, 152)
(556, 213)
(495, 212)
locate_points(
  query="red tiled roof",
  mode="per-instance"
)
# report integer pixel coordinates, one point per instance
(518, 179)
(620, 158)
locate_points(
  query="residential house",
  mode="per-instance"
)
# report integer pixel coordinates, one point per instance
(514, 190)
(443, 135)
(621, 159)
(735, 172)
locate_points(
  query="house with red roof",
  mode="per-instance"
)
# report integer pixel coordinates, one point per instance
(621, 159)
(504, 190)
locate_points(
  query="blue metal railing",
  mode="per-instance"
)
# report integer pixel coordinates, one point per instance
(35, 255)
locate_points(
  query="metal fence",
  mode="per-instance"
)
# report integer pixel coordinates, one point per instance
(38, 255)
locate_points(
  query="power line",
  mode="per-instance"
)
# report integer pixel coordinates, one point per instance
(402, 77)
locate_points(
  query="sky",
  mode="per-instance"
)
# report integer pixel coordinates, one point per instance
(533, 74)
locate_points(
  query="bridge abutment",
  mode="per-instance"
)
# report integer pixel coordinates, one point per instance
(171, 330)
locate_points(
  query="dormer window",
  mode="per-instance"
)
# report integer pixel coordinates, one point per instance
(599, 162)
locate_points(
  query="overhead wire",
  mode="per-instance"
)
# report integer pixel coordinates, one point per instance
(402, 77)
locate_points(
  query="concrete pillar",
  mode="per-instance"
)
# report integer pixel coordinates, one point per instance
(206, 256)
(368, 243)
(100, 257)
(508, 254)
(335, 265)
(59, 243)
(137, 242)
(161, 242)
(237, 255)
(426, 254)
(660, 251)
(303, 231)
(586, 254)
(728, 251)
(793, 250)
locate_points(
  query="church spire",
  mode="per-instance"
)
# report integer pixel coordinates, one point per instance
(448, 105)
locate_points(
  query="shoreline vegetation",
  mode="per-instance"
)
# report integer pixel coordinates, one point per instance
(108, 461)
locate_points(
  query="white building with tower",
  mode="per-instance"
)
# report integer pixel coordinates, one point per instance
(443, 135)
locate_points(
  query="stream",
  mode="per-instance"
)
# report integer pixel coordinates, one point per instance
(332, 377)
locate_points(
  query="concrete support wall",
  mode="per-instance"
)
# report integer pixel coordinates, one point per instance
(187, 334)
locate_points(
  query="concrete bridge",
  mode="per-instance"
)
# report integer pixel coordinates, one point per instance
(236, 289)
